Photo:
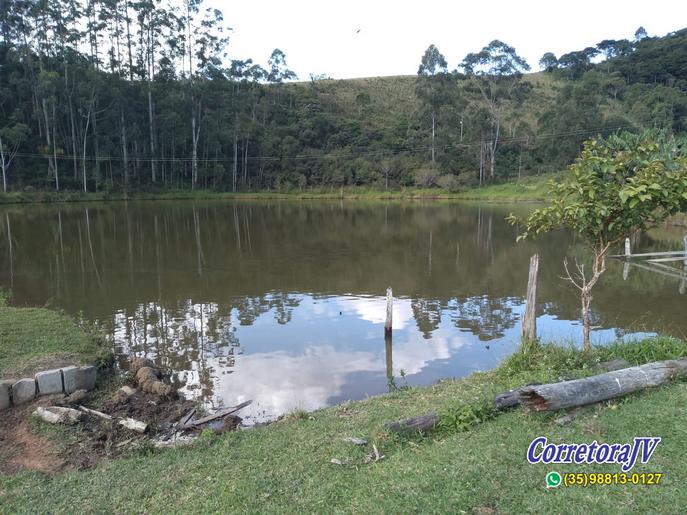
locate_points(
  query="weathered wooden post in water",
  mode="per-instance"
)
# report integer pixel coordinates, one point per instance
(628, 248)
(389, 311)
(529, 319)
(387, 334)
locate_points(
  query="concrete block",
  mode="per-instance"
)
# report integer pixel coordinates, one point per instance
(5, 394)
(49, 382)
(78, 378)
(23, 390)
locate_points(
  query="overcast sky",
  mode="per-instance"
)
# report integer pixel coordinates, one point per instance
(321, 37)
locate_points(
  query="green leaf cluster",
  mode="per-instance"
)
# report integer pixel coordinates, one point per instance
(618, 185)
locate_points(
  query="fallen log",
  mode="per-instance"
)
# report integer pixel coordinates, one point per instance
(510, 398)
(223, 413)
(421, 424)
(580, 392)
(614, 364)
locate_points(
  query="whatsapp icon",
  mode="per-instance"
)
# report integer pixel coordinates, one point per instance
(553, 480)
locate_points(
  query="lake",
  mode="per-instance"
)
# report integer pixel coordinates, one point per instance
(283, 302)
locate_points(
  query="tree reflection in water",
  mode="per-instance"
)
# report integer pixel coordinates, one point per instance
(283, 302)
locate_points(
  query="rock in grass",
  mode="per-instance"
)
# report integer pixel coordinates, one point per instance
(58, 415)
(76, 397)
(569, 417)
(356, 441)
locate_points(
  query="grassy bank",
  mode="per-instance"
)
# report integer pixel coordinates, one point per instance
(529, 188)
(35, 338)
(525, 189)
(465, 466)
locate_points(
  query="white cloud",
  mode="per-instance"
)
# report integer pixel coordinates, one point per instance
(373, 310)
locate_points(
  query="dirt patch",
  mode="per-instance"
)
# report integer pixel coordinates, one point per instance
(24, 449)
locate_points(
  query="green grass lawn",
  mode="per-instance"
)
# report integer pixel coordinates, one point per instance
(32, 338)
(286, 466)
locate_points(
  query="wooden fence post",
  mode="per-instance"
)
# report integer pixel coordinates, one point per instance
(529, 320)
(389, 310)
(628, 248)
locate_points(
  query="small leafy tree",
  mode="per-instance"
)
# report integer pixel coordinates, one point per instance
(619, 185)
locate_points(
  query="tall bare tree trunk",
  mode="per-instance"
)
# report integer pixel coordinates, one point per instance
(153, 171)
(433, 133)
(4, 167)
(195, 129)
(54, 148)
(125, 152)
(233, 180)
(85, 136)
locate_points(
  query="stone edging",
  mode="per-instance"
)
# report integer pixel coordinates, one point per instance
(59, 380)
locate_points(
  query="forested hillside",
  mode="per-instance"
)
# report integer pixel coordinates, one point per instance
(105, 95)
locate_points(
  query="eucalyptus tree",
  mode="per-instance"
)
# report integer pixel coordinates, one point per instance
(548, 62)
(641, 34)
(431, 86)
(495, 73)
(578, 62)
(278, 70)
(205, 47)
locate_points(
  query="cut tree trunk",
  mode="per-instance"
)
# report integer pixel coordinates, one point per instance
(579, 392)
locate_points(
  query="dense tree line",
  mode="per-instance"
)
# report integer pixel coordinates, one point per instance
(122, 94)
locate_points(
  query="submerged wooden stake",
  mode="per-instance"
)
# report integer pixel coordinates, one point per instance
(389, 310)
(628, 248)
(529, 320)
(222, 413)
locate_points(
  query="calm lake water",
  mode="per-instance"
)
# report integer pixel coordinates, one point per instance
(284, 302)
